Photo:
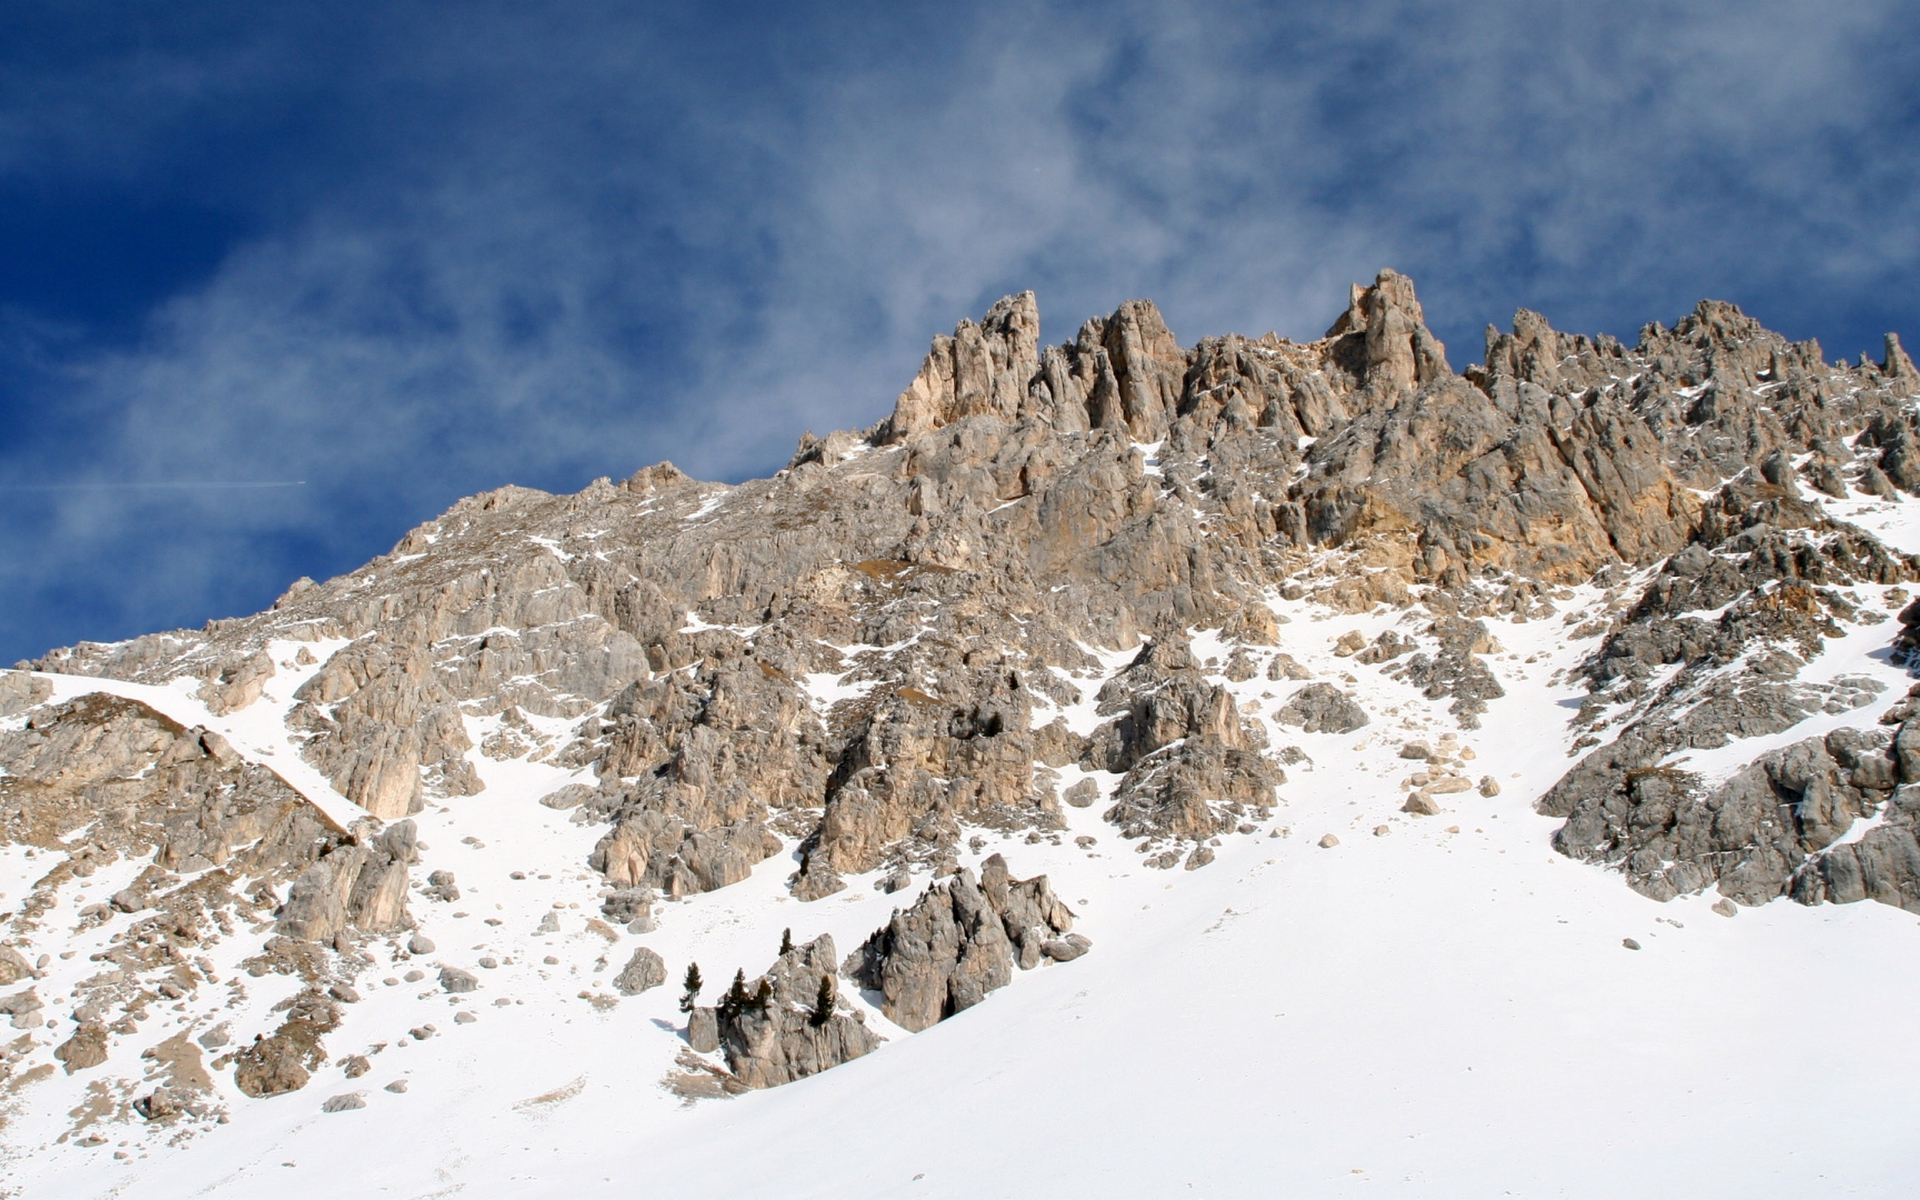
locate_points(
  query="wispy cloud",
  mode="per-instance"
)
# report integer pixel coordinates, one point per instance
(537, 245)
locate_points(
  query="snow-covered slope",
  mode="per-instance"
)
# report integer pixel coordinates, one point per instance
(1434, 1006)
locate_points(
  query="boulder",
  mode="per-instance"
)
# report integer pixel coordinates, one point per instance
(1421, 804)
(86, 1048)
(643, 971)
(13, 966)
(1321, 708)
(703, 1030)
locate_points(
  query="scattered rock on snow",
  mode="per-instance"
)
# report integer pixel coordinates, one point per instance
(1067, 948)
(643, 971)
(570, 796)
(86, 1048)
(1421, 804)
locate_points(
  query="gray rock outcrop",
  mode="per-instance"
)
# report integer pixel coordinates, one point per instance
(358, 884)
(790, 1022)
(958, 942)
(20, 691)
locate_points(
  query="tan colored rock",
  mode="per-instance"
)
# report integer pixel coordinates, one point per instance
(1421, 804)
(86, 1048)
(236, 684)
(13, 966)
(20, 691)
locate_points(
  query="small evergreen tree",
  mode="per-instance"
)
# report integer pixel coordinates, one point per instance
(692, 984)
(763, 996)
(823, 1002)
(786, 942)
(736, 997)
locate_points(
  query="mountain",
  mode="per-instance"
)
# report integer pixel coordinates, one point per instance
(1258, 766)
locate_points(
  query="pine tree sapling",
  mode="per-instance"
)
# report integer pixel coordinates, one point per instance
(786, 942)
(736, 998)
(692, 984)
(823, 1003)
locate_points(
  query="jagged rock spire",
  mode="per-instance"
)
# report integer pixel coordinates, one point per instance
(1400, 353)
(980, 369)
(1897, 364)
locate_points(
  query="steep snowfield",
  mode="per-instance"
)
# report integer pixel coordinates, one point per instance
(1445, 1009)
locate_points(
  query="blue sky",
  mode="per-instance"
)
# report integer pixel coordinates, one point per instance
(402, 252)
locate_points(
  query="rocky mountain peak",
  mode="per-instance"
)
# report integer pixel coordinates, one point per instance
(1110, 596)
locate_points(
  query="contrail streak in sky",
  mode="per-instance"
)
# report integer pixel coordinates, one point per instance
(97, 487)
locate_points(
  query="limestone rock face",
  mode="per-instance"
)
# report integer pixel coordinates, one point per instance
(362, 885)
(237, 683)
(879, 653)
(982, 370)
(651, 850)
(1021, 503)
(959, 941)
(20, 691)
(1762, 833)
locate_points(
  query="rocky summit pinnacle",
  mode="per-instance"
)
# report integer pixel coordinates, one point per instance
(1110, 596)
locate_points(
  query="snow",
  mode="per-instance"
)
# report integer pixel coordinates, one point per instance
(258, 732)
(1445, 1010)
(1150, 457)
(707, 506)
